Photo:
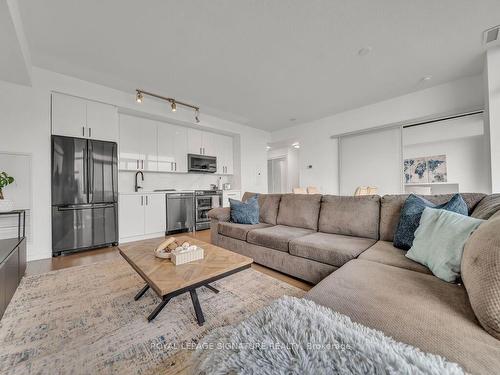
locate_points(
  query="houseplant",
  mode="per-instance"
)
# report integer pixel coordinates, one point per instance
(5, 204)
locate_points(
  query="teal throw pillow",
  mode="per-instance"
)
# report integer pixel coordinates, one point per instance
(411, 212)
(439, 241)
(245, 212)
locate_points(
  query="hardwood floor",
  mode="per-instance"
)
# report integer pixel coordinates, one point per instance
(108, 253)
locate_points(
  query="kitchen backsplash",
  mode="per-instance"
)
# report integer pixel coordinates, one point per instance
(181, 181)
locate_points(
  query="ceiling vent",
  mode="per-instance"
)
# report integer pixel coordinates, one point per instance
(492, 36)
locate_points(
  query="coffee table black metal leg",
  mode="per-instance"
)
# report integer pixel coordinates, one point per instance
(158, 308)
(141, 292)
(197, 307)
(212, 288)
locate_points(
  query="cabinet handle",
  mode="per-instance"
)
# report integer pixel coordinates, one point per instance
(83, 131)
(200, 150)
(142, 163)
(175, 166)
(90, 132)
(147, 200)
(142, 200)
(137, 163)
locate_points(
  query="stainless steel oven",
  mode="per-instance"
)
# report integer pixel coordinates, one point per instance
(202, 163)
(205, 200)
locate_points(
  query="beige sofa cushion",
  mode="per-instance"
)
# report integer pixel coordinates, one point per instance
(352, 216)
(299, 210)
(413, 308)
(333, 249)
(488, 207)
(390, 209)
(481, 274)
(384, 252)
(276, 237)
(238, 231)
(268, 206)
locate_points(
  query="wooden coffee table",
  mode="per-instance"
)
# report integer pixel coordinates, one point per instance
(169, 280)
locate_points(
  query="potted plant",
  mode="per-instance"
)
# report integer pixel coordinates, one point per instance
(5, 204)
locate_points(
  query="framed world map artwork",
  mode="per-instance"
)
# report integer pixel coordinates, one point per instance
(425, 170)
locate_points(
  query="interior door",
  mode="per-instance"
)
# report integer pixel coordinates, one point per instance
(69, 171)
(103, 166)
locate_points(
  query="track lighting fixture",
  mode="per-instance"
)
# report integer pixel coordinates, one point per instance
(139, 97)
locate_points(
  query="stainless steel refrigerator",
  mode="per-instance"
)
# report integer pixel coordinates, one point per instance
(84, 194)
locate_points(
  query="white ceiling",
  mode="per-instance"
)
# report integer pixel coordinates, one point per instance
(262, 62)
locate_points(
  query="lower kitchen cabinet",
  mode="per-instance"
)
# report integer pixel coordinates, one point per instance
(141, 215)
(12, 268)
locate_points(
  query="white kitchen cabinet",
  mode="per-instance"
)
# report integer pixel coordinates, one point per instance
(77, 117)
(102, 121)
(131, 215)
(233, 194)
(195, 141)
(155, 217)
(138, 144)
(141, 215)
(172, 148)
(225, 164)
(69, 116)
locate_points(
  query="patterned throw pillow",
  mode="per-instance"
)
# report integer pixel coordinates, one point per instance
(411, 213)
(245, 212)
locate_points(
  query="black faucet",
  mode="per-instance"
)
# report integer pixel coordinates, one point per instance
(137, 187)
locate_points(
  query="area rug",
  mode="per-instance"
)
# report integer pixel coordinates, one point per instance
(84, 320)
(297, 336)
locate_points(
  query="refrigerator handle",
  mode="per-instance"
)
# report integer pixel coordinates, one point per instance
(91, 172)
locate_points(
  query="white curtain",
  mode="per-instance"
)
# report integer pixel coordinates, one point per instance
(372, 158)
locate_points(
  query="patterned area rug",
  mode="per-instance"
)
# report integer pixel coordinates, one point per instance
(84, 320)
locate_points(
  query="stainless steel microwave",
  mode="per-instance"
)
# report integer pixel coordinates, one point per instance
(202, 163)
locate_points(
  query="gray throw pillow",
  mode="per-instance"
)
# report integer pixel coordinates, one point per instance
(439, 241)
(412, 211)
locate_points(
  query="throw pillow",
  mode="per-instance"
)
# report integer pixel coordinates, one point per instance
(488, 206)
(411, 212)
(245, 212)
(439, 241)
(481, 274)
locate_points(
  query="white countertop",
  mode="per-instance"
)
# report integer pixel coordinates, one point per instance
(142, 192)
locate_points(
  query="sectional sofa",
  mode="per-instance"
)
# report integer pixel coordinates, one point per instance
(344, 245)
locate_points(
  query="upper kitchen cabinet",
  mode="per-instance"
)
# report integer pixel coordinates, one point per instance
(138, 144)
(225, 163)
(172, 148)
(77, 117)
(102, 121)
(195, 141)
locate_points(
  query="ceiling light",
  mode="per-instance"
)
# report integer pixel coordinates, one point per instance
(296, 145)
(426, 78)
(197, 115)
(139, 97)
(173, 105)
(364, 51)
(268, 148)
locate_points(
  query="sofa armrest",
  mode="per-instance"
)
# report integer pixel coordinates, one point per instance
(220, 213)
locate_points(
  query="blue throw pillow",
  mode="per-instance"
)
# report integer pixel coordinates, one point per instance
(245, 212)
(412, 212)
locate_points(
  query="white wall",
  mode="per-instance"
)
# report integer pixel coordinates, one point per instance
(25, 127)
(492, 99)
(318, 150)
(463, 142)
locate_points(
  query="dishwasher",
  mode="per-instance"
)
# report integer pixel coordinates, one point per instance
(180, 213)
